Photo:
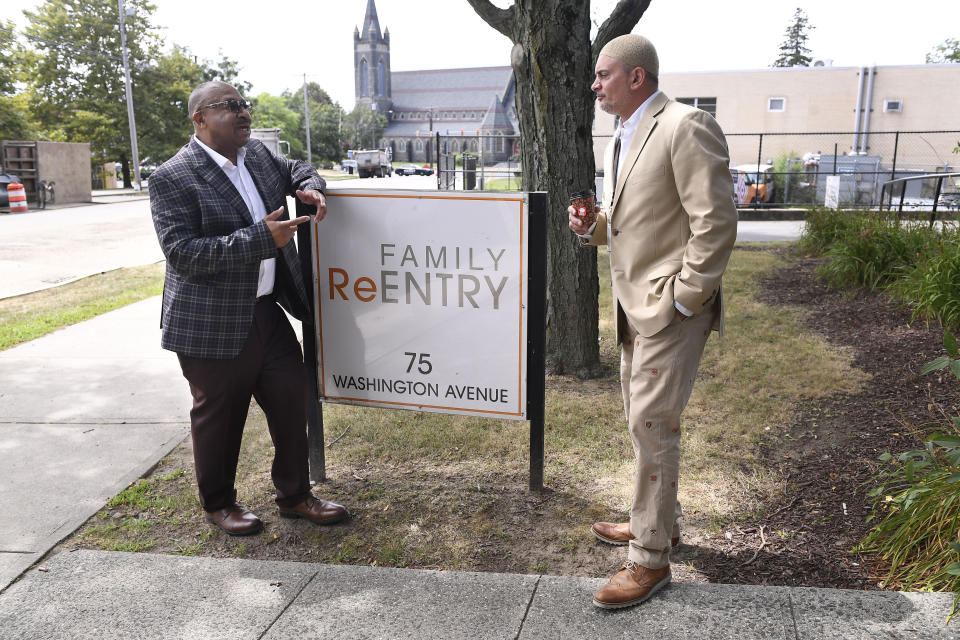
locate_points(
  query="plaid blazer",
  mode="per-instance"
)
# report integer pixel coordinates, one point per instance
(213, 248)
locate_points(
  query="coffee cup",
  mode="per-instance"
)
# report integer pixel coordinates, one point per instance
(584, 205)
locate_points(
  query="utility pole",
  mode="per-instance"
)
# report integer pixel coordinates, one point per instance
(306, 119)
(126, 75)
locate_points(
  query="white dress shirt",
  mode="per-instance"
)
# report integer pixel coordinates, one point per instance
(240, 177)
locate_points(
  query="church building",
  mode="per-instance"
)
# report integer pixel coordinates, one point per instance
(473, 110)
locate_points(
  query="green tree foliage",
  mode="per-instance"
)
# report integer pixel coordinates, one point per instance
(325, 119)
(8, 61)
(14, 120)
(793, 49)
(946, 51)
(73, 72)
(271, 112)
(363, 127)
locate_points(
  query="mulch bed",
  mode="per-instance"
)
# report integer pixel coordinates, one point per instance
(834, 443)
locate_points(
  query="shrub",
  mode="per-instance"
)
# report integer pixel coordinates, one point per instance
(824, 227)
(931, 288)
(917, 502)
(875, 250)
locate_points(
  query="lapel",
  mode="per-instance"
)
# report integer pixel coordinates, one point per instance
(254, 166)
(608, 173)
(213, 175)
(646, 126)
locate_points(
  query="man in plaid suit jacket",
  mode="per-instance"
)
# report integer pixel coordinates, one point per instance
(229, 263)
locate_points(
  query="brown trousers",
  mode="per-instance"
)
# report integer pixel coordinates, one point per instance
(270, 369)
(656, 376)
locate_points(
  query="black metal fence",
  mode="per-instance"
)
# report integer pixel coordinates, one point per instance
(780, 169)
(787, 169)
(483, 162)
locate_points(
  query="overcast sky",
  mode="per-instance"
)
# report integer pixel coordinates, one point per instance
(275, 48)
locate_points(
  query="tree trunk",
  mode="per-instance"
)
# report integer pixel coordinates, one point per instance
(553, 62)
(125, 171)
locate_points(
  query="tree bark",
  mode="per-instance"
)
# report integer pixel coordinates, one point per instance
(125, 171)
(553, 62)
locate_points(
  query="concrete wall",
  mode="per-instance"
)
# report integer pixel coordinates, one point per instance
(824, 99)
(67, 164)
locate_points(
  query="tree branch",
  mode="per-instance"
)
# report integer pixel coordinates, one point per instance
(500, 19)
(621, 21)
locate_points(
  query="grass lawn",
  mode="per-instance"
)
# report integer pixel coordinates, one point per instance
(437, 491)
(32, 315)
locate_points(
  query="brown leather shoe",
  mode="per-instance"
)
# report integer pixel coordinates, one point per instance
(235, 520)
(631, 585)
(316, 511)
(618, 533)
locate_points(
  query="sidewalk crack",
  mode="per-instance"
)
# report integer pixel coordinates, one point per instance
(793, 617)
(533, 595)
(289, 604)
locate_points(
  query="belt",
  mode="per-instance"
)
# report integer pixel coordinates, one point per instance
(265, 298)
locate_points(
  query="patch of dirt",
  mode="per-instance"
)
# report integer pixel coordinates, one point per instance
(461, 514)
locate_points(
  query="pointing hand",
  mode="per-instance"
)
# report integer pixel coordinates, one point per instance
(282, 230)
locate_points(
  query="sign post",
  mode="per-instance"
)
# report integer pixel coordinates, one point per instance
(315, 457)
(430, 301)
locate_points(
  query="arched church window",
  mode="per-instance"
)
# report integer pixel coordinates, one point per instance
(381, 79)
(364, 84)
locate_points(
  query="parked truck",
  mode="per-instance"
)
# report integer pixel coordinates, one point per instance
(271, 140)
(372, 162)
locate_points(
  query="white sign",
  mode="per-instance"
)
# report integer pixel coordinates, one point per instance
(832, 198)
(421, 301)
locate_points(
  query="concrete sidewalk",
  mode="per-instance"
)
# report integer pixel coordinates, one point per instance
(96, 595)
(84, 411)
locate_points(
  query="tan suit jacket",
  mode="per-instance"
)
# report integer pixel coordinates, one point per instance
(671, 216)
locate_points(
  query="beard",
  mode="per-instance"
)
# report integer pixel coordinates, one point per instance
(607, 108)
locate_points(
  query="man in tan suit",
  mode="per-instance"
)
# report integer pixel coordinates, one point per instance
(670, 223)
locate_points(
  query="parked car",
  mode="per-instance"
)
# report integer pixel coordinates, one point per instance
(413, 170)
(950, 201)
(6, 179)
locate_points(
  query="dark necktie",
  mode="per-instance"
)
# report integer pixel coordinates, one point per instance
(616, 159)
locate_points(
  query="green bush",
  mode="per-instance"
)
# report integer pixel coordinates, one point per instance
(917, 504)
(931, 288)
(874, 251)
(824, 227)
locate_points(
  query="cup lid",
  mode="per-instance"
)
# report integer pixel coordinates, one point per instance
(587, 193)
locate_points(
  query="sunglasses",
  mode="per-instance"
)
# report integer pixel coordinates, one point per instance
(233, 104)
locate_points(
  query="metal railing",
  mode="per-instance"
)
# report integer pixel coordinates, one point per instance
(951, 199)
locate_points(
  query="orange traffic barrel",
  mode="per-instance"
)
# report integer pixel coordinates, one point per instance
(17, 197)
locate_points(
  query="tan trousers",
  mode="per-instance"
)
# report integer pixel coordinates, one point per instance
(657, 375)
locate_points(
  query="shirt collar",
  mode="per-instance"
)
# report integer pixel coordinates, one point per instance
(628, 126)
(223, 162)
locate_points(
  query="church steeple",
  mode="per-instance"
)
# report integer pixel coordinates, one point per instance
(371, 24)
(371, 62)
